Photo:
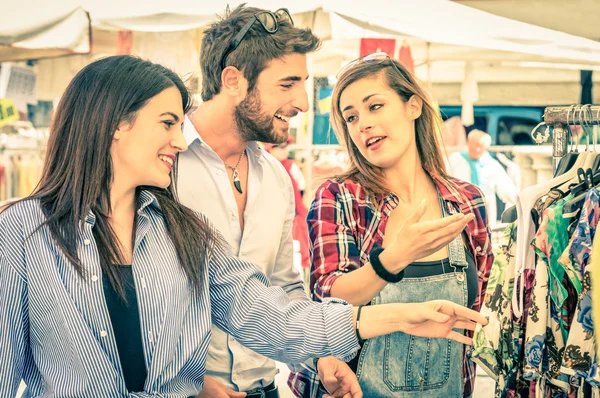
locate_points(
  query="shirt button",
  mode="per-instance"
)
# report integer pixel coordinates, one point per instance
(233, 216)
(103, 333)
(150, 336)
(94, 278)
(219, 172)
(87, 242)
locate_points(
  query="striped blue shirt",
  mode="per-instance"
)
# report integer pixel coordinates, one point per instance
(56, 334)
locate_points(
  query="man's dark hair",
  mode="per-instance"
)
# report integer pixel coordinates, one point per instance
(254, 52)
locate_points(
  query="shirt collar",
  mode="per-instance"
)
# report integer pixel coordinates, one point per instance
(191, 135)
(145, 200)
(189, 132)
(448, 190)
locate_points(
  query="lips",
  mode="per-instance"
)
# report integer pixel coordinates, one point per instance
(282, 117)
(374, 140)
(167, 159)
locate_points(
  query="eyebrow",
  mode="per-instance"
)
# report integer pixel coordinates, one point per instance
(364, 100)
(293, 79)
(170, 114)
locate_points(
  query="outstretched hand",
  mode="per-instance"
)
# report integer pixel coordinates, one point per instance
(438, 318)
(418, 239)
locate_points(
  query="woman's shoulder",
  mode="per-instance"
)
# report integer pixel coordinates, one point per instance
(24, 214)
(467, 191)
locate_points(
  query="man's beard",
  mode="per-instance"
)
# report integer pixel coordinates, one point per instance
(252, 124)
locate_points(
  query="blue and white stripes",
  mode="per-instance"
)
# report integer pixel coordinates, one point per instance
(55, 331)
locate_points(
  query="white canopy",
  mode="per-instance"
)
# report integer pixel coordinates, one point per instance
(43, 30)
(455, 31)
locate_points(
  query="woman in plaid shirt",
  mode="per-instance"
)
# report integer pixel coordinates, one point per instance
(396, 191)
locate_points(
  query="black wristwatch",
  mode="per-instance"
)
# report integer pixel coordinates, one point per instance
(380, 269)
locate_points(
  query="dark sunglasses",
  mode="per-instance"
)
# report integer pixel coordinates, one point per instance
(374, 58)
(268, 21)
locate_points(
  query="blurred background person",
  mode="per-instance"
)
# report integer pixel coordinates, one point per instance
(477, 166)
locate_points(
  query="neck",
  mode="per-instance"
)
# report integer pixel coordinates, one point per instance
(122, 200)
(214, 122)
(408, 180)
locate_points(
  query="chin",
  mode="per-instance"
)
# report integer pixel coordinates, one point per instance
(161, 183)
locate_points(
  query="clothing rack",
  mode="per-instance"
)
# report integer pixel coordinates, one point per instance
(559, 118)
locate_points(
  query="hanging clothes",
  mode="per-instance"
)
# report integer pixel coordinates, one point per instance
(547, 348)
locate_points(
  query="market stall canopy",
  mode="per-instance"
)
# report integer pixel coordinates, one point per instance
(43, 30)
(450, 24)
(177, 15)
(434, 21)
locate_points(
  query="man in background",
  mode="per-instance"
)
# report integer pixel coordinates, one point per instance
(477, 166)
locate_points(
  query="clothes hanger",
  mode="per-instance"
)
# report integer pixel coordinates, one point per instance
(589, 180)
(568, 161)
(585, 120)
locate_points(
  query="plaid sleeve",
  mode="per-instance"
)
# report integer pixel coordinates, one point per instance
(304, 384)
(482, 240)
(333, 248)
(481, 235)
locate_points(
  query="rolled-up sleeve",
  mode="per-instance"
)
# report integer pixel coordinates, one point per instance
(265, 319)
(333, 248)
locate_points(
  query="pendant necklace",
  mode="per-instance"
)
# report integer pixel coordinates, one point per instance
(236, 174)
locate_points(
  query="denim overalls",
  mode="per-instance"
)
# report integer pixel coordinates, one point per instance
(400, 365)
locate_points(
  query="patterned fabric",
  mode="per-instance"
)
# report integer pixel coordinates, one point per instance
(345, 225)
(492, 344)
(580, 357)
(548, 320)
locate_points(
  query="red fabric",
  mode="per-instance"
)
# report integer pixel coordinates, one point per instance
(369, 46)
(124, 42)
(299, 227)
(406, 59)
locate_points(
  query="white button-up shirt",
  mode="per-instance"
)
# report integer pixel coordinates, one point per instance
(203, 185)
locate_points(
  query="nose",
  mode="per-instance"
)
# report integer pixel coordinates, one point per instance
(179, 143)
(301, 100)
(365, 124)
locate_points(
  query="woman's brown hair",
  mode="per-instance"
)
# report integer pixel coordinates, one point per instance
(78, 169)
(429, 144)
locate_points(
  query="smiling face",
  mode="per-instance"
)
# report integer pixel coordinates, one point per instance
(264, 115)
(143, 152)
(379, 123)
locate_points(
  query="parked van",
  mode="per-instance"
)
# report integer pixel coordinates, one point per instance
(508, 125)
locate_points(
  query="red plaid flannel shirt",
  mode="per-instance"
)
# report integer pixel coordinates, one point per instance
(344, 226)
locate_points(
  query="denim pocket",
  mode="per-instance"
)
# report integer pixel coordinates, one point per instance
(416, 363)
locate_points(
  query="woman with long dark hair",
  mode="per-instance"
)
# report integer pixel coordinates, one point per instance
(108, 285)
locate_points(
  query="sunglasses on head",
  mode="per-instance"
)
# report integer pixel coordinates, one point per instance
(267, 19)
(374, 58)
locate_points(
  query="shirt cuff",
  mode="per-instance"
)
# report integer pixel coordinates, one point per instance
(309, 365)
(340, 330)
(324, 284)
